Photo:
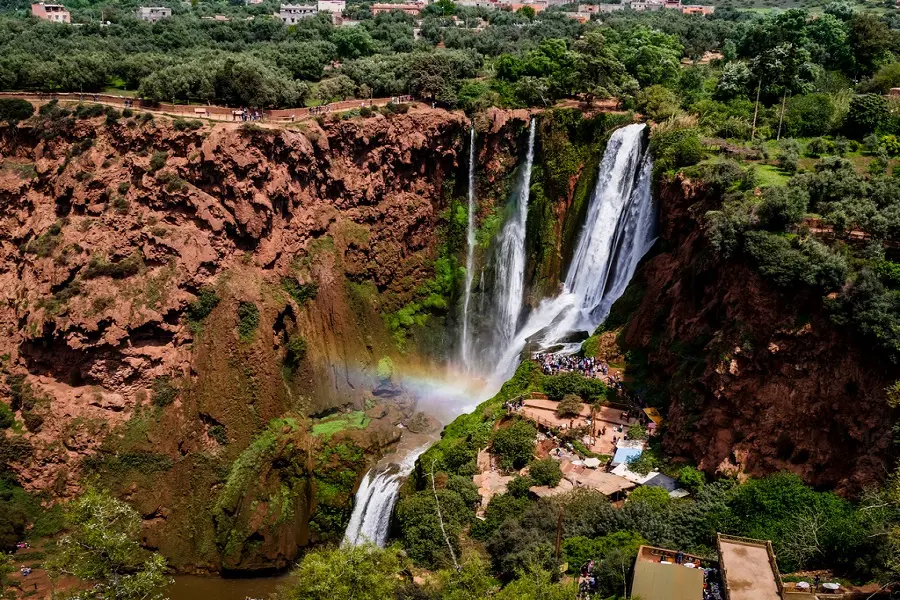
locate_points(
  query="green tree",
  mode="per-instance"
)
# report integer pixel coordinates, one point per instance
(7, 566)
(353, 42)
(570, 406)
(658, 102)
(866, 114)
(514, 445)
(13, 110)
(545, 472)
(351, 573)
(102, 547)
(691, 479)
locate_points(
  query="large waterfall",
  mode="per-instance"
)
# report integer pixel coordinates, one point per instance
(618, 231)
(619, 228)
(509, 274)
(375, 501)
(470, 252)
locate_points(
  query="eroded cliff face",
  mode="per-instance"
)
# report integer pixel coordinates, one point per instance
(168, 292)
(754, 381)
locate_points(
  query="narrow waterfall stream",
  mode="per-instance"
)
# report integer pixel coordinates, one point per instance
(470, 253)
(375, 499)
(619, 229)
(509, 275)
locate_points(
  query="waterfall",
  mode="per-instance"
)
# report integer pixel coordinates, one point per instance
(618, 230)
(509, 274)
(375, 499)
(470, 251)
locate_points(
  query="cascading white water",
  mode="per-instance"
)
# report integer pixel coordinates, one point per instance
(375, 499)
(509, 274)
(618, 231)
(470, 252)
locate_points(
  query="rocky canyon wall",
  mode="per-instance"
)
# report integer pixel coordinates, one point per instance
(180, 297)
(753, 380)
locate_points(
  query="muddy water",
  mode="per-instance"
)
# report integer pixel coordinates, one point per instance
(192, 587)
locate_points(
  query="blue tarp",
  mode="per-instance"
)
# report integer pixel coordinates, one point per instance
(623, 454)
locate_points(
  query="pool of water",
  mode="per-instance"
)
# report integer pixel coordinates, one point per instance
(194, 587)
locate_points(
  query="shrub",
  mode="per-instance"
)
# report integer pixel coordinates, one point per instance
(519, 486)
(88, 111)
(100, 267)
(514, 445)
(385, 368)
(691, 479)
(187, 124)
(558, 386)
(127, 113)
(788, 261)
(163, 391)
(545, 472)
(218, 433)
(674, 149)
(7, 419)
(158, 161)
(300, 292)
(366, 112)
(636, 431)
(13, 110)
(789, 156)
(199, 309)
(819, 146)
(296, 351)
(248, 320)
(569, 406)
(783, 206)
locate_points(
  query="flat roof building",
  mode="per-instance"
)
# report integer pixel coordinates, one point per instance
(294, 13)
(153, 13)
(332, 6)
(410, 9)
(749, 571)
(659, 576)
(56, 13)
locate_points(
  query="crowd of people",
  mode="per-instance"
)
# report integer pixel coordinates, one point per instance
(249, 115)
(554, 364)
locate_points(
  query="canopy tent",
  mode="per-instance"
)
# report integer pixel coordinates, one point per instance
(623, 454)
(654, 415)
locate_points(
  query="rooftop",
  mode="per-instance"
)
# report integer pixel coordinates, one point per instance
(748, 568)
(657, 577)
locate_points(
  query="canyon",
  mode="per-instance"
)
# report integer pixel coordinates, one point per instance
(187, 306)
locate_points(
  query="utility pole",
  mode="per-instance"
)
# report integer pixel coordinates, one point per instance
(559, 527)
(756, 109)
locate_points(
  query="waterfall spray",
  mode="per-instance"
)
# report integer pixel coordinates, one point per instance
(509, 274)
(470, 251)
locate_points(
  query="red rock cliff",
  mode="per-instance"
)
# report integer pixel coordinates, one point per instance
(754, 381)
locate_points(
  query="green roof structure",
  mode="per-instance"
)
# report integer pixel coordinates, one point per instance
(658, 581)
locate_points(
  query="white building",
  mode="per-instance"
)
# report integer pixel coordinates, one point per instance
(153, 13)
(332, 6)
(291, 14)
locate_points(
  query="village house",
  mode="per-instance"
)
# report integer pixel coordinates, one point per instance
(291, 14)
(411, 9)
(332, 6)
(56, 13)
(153, 14)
